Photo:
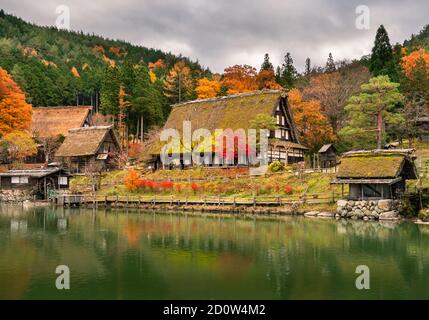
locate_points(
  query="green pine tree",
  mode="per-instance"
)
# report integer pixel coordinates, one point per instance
(267, 65)
(382, 60)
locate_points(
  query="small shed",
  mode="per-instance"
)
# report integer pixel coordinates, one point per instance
(376, 174)
(90, 148)
(423, 128)
(328, 156)
(37, 183)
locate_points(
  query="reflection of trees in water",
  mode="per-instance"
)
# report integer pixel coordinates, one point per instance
(291, 258)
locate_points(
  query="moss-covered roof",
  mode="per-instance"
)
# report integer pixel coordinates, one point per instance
(233, 112)
(377, 165)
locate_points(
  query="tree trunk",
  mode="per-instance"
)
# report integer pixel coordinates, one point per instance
(380, 130)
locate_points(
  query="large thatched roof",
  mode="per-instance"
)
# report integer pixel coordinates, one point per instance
(84, 141)
(377, 164)
(51, 122)
(233, 112)
(229, 112)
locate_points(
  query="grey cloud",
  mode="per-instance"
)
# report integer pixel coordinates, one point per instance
(221, 33)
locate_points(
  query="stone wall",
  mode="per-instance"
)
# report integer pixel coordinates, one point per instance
(385, 209)
(15, 195)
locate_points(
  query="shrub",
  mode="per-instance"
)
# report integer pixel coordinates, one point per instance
(194, 186)
(131, 180)
(167, 185)
(288, 190)
(276, 166)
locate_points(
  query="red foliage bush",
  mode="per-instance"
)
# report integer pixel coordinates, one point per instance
(194, 186)
(167, 185)
(288, 190)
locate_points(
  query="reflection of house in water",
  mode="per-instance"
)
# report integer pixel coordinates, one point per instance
(18, 225)
(376, 174)
(31, 183)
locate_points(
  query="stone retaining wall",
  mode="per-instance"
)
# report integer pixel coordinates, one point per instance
(385, 209)
(15, 195)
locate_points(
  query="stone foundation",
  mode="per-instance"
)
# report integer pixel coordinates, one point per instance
(15, 196)
(385, 209)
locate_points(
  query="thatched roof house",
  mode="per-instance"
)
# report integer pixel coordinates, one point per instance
(237, 112)
(90, 144)
(376, 173)
(52, 122)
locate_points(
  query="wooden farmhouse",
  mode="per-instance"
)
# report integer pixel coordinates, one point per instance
(50, 125)
(237, 112)
(34, 183)
(377, 174)
(90, 148)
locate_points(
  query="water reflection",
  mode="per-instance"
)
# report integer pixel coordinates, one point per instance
(135, 255)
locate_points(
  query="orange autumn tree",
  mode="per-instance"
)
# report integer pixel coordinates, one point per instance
(312, 126)
(266, 79)
(207, 88)
(410, 62)
(240, 79)
(15, 112)
(20, 145)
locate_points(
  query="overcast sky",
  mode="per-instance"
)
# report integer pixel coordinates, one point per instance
(220, 33)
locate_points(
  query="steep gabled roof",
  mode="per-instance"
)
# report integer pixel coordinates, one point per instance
(85, 141)
(50, 122)
(377, 164)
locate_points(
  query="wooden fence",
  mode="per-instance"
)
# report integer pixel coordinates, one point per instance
(136, 201)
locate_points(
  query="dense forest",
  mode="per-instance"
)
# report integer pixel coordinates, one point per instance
(58, 67)
(356, 104)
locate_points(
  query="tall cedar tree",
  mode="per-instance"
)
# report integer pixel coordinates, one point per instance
(288, 73)
(307, 70)
(330, 64)
(382, 60)
(267, 65)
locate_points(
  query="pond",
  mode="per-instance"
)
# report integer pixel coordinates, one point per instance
(135, 255)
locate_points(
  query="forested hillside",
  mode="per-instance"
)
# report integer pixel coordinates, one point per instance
(58, 67)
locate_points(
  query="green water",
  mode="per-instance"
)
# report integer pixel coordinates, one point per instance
(132, 255)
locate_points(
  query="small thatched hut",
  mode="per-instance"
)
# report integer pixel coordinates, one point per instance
(376, 174)
(90, 146)
(237, 112)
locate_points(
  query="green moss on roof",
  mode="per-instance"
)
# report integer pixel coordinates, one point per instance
(371, 166)
(231, 112)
